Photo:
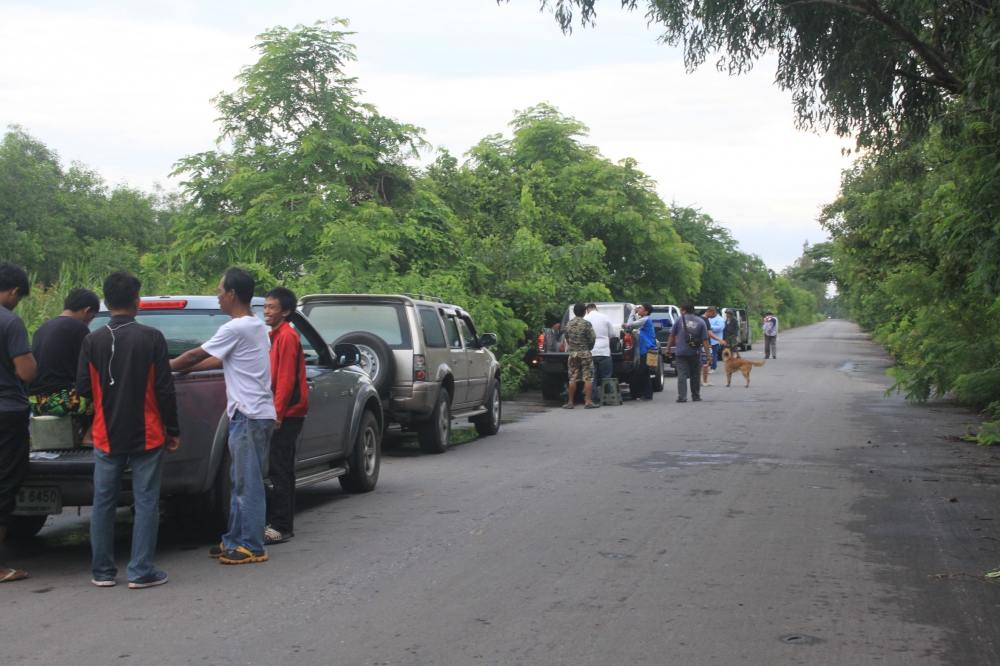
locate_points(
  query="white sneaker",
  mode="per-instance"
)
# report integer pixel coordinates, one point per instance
(706, 383)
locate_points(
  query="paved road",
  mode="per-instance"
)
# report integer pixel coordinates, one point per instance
(807, 520)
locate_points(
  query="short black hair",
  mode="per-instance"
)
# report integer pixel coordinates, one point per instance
(579, 309)
(14, 277)
(591, 306)
(81, 299)
(121, 289)
(647, 307)
(285, 297)
(687, 308)
(241, 282)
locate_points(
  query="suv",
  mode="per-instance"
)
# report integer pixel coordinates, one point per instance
(552, 355)
(424, 357)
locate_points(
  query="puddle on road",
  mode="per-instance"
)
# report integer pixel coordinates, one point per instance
(659, 460)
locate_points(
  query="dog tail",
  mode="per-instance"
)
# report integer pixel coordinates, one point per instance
(758, 363)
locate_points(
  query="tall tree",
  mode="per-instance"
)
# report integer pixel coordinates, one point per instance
(868, 67)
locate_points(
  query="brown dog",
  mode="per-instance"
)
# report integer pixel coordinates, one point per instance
(735, 362)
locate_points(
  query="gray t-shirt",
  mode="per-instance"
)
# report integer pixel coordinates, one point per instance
(13, 343)
(694, 326)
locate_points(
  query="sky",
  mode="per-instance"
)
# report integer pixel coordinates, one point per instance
(125, 88)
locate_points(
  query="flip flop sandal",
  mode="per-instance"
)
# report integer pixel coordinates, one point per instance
(13, 574)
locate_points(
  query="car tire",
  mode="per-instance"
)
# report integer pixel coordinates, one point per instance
(376, 358)
(552, 387)
(434, 433)
(366, 457)
(25, 527)
(489, 423)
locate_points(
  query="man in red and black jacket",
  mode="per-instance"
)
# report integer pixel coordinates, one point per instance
(291, 402)
(125, 369)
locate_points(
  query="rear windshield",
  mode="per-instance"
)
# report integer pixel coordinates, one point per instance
(183, 329)
(386, 320)
(615, 312)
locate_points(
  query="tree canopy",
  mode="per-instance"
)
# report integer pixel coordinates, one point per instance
(871, 68)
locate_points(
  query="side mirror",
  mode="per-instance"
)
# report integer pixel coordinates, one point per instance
(487, 339)
(345, 354)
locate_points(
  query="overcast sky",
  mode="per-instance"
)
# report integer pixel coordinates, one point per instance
(126, 87)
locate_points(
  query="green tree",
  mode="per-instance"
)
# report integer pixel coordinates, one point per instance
(310, 166)
(867, 67)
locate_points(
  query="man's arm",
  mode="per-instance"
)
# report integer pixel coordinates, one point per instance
(286, 371)
(187, 361)
(19, 351)
(26, 367)
(83, 386)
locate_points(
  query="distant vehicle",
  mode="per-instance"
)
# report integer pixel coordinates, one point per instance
(552, 355)
(664, 317)
(424, 356)
(341, 437)
(745, 341)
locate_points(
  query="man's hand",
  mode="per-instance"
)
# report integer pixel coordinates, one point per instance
(173, 443)
(277, 425)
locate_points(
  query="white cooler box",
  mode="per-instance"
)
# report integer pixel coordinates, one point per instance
(51, 432)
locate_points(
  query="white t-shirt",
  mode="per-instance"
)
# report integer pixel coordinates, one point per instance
(604, 330)
(243, 346)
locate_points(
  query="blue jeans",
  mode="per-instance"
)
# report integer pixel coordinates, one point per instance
(108, 470)
(603, 368)
(249, 441)
(716, 354)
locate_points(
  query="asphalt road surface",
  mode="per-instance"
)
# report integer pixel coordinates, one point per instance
(809, 519)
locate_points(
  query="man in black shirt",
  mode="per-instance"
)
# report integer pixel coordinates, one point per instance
(56, 347)
(17, 367)
(125, 368)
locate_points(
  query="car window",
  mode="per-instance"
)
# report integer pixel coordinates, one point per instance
(183, 329)
(468, 336)
(386, 320)
(431, 323)
(451, 329)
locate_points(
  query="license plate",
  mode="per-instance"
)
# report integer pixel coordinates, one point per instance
(38, 500)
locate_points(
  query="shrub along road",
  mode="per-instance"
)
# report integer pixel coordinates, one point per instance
(809, 519)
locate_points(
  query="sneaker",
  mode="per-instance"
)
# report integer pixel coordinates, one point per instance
(568, 405)
(591, 405)
(696, 398)
(103, 582)
(273, 536)
(682, 399)
(217, 550)
(706, 383)
(242, 555)
(152, 580)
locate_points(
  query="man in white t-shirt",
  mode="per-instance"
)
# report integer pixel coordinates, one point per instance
(241, 347)
(604, 330)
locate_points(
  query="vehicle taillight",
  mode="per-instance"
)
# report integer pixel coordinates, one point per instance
(178, 304)
(541, 341)
(419, 368)
(627, 341)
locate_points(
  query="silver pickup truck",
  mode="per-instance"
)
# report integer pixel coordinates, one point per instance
(341, 437)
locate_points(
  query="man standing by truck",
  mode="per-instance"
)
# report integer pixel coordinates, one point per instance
(604, 330)
(580, 340)
(241, 348)
(17, 368)
(291, 403)
(125, 369)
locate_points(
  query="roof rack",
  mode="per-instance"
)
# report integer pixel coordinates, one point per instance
(424, 297)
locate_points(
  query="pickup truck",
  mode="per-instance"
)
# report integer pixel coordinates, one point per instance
(341, 437)
(552, 356)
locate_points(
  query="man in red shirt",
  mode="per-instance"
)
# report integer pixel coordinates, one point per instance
(291, 402)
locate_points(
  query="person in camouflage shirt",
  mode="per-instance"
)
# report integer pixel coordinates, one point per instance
(580, 339)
